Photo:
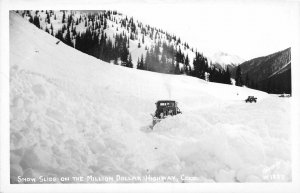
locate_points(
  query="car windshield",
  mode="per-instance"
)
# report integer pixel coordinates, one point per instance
(164, 104)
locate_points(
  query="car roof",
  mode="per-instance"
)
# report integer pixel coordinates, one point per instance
(164, 101)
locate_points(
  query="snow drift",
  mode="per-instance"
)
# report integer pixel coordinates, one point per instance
(74, 115)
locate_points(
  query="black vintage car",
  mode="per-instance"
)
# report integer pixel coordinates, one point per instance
(165, 108)
(251, 99)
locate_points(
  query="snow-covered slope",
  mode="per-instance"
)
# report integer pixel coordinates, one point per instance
(114, 26)
(74, 115)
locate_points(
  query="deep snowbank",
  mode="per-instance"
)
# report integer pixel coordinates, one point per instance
(237, 143)
(74, 115)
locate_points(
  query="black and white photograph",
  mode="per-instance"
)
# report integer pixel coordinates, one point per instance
(149, 92)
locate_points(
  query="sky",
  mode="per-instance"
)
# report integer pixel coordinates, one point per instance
(247, 29)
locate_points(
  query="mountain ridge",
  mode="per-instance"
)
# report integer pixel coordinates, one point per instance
(117, 22)
(270, 73)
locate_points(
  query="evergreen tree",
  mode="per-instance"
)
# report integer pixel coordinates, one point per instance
(163, 64)
(141, 64)
(68, 40)
(181, 71)
(116, 61)
(69, 22)
(59, 35)
(138, 63)
(63, 17)
(186, 65)
(131, 36)
(101, 46)
(129, 62)
(63, 28)
(147, 61)
(238, 77)
(172, 66)
(30, 19)
(36, 21)
(48, 18)
(177, 68)
(227, 76)
(105, 24)
(124, 53)
(47, 30)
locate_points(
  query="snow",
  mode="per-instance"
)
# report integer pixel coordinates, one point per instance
(75, 115)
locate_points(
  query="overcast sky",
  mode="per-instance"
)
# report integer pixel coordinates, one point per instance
(248, 29)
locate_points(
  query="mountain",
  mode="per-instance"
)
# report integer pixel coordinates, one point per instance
(87, 27)
(271, 73)
(114, 38)
(222, 60)
(72, 114)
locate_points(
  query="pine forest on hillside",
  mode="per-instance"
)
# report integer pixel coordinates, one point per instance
(165, 55)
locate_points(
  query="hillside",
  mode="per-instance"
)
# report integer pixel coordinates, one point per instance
(72, 114)
(122, 40)
(270, 73)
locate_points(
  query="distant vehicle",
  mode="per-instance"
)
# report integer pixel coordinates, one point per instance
(165, 108)
(251, 99)
(285, 95)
